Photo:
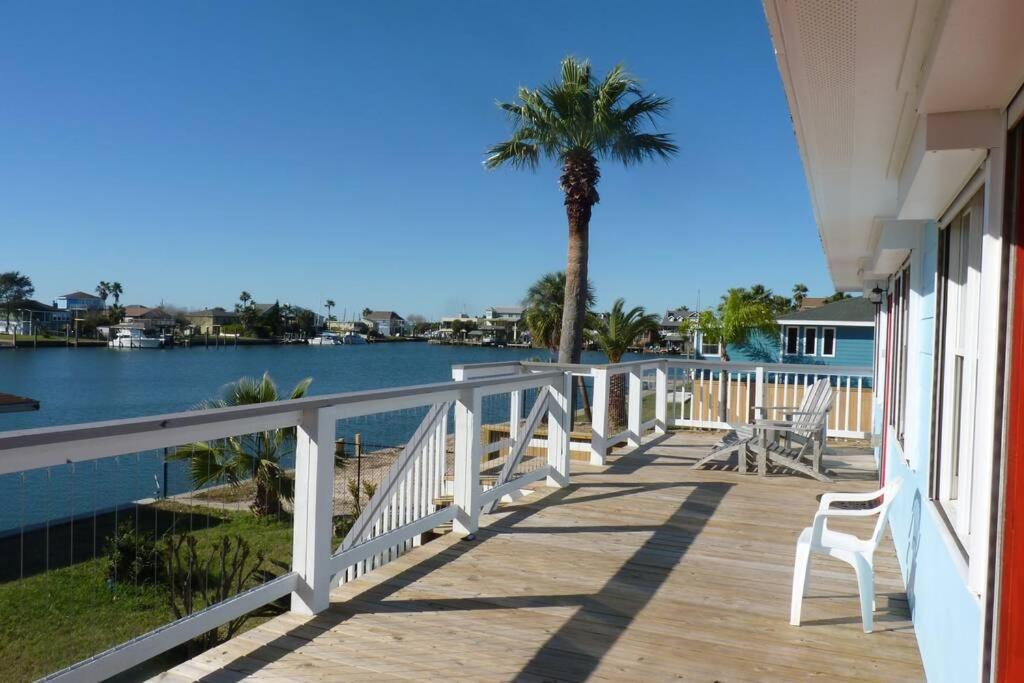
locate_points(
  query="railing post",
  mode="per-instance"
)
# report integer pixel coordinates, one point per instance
(759, 393)
(515, 413)
(599, 427)
(468, 452)
(314, 493)
(635, 404)
(559, 431)
(661, 398)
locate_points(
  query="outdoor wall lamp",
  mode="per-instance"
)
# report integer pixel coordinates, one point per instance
(875, 296)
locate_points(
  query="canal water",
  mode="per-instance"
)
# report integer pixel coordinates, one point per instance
(86, 385)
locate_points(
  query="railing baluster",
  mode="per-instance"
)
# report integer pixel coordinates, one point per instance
(314, 490)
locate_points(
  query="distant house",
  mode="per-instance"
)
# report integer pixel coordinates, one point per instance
(80, 301)
(672, 330)
(505, 323)
(210, 320)
(504, 313)
(837, 333)
(31, 315)
(145, 318)
(386, 323)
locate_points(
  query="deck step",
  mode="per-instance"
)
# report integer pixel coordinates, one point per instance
(486, 479)
(442, 502)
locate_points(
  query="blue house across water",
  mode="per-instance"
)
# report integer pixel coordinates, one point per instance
(837, 333)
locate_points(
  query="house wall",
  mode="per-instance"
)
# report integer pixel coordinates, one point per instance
(947, 615)
(854, 346)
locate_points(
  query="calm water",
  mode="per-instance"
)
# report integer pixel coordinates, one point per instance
(85, 385)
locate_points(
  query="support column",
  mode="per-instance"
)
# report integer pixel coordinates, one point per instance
(599, 428)
(468, 452)
(559, 431)
(635, 405)
(314, 493)
(661, 398)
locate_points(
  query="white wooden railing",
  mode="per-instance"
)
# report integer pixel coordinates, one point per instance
(671, 392)
(668, 392)
(400, 511)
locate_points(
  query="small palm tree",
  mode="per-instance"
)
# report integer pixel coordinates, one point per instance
(329, 304)
(799, 294)
(116, 290)
(614, 335)
(576, 122)
(737, 316)
(103, 291)
(544, 302)
(257, 456)
(116, 313)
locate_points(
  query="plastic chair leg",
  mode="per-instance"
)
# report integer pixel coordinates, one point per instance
(801, 571)
(866, 586)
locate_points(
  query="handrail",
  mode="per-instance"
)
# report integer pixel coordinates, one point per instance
(19, 449)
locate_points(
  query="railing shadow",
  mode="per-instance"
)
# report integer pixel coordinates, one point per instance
(574, 650)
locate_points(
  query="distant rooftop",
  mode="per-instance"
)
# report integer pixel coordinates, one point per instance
(78, 295)
(382, 315)
(857, 310)
(676, 316)
(507, 309)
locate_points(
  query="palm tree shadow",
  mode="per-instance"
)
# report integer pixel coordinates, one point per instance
(576, 649)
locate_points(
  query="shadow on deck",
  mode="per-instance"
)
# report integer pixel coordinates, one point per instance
(641, 570)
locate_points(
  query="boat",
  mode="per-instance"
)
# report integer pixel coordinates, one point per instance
(326, 339)
(353, 338)
(133, 339)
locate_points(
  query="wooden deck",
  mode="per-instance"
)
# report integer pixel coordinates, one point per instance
(644, 570)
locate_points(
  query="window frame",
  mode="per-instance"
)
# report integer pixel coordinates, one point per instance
(804, 338)
(900, 320)
(786, 340)
(824, 331)
(954, 372)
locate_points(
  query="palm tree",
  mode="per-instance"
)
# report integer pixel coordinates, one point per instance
(799, 294)
(258, 456)
(544, 302)
(246, 298)
(577, 122)
(116, 290)
(614, 335)
(116, 313)
(103, 291)
(329, 304)
(737, 316)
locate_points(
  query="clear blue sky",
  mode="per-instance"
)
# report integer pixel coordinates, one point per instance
(310, 150)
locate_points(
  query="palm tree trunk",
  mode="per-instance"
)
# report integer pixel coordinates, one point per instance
(616, 403)
(579, 181)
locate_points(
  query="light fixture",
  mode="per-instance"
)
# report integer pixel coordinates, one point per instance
(876, 296)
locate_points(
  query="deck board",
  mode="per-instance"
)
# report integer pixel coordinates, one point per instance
(641, 570)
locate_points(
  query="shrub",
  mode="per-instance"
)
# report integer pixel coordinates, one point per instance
(131, 555)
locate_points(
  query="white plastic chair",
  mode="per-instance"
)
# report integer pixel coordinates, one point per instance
(856, 552)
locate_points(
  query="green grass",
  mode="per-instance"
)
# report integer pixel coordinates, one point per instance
(51, 620)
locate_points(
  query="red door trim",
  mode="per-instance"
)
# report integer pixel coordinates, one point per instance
(1010, 652)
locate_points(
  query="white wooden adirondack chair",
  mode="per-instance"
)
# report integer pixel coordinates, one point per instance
(741, 436)
(858, 553)
(804, 431)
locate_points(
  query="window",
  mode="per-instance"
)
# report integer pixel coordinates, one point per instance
(792, 341)
(810, 341)
(899, 318)
(708, 346)
(828, 341)
(959, 272)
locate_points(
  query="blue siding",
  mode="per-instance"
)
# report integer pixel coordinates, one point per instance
(947, 616)
(853, 346)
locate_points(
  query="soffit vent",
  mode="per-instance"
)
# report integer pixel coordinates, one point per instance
(828, 37)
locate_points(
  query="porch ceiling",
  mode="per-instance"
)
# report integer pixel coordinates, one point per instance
(859, 75)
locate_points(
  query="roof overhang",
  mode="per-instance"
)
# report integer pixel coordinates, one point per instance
(894, 107)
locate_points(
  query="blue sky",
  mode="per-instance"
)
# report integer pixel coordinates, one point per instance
(304, 151)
